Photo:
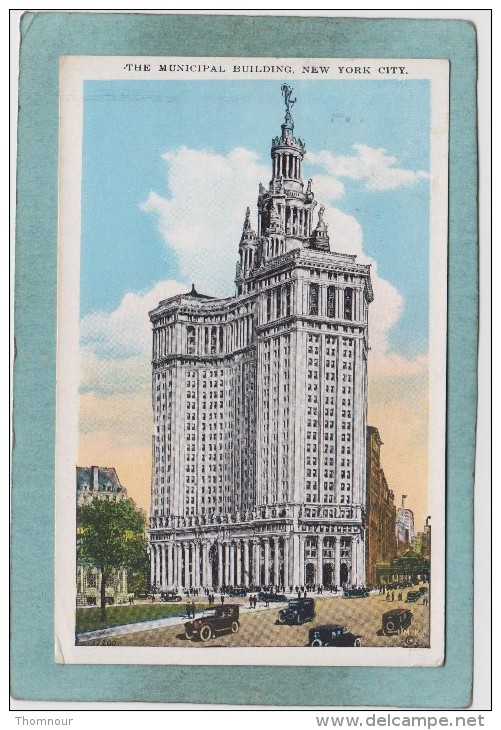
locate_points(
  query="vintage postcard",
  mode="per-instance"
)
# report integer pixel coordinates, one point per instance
(251, 373)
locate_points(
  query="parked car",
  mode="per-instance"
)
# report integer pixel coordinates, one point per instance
(213, 622)
(395, 621)
(141, 595)
(413, 596)
(356, 593)
(271, 597)
(332, 635)
(237, 592)
(170, 597)
(423, 589)
(297, 611)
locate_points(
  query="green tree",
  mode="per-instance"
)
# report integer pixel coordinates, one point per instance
(110, 535)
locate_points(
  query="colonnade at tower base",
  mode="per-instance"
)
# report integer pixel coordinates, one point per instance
(210, 557)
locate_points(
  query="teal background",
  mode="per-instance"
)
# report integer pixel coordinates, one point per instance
(45, 37)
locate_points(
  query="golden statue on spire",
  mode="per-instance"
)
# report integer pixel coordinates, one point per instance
(287, 93)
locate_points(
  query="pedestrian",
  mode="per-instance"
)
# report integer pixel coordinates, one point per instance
(400, 596)
(250, 601)
(388, 596)
(222, 599)
(193, 610)
(392, 596)
(188, 610)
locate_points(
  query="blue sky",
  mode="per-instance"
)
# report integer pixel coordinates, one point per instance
(129, 125)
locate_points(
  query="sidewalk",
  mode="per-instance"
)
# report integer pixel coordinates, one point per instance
(150, 624)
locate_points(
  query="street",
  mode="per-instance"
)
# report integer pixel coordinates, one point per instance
(361, 616)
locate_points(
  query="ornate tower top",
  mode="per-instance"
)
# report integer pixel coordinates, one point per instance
(287, 139)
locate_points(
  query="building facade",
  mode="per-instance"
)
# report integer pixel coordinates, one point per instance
(259, 406)
(404, 529)
(381, 543)
(98, 482)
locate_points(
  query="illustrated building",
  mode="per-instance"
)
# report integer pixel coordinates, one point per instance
(98, 482)
(404, 527)
(259, 406)
(381, 542)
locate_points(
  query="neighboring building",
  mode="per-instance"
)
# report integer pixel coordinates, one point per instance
(404, 528)
(381, 543)
(259, 404)
(98, 482)
(422, 542)
(407, 567)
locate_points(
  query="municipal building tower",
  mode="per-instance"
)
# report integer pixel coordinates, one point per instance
(259, 404)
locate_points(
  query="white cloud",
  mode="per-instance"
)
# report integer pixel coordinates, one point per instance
(202, 218)
(374, 167)
(126, 332)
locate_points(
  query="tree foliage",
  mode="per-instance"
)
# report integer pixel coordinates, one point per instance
(111, 535)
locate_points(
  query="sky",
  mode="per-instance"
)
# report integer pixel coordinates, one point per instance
(168, 169)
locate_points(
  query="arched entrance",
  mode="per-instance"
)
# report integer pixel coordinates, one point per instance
(343, 574)
(309, 574)
(327, 575)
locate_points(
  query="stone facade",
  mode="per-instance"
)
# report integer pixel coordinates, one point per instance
(259, 406)
(381, 543)
(99, 482)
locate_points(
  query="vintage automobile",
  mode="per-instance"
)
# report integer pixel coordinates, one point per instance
(356, 593)
(413, 596)
(271, 597)
(395, 621)
(234, 592)
(332, 635)
(170, 597)
(423, 589)
(213, 622)
(297, 611)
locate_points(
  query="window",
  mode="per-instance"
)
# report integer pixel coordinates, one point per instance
(313, 299)
(331, 296)
(348, 304)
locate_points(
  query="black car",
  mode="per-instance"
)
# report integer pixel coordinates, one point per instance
(356, 593)
(332, 635)
(271, 597)
(297, 611)
(413, 596)
(395, 621)
(213, 622)
(170, 597)
(237, 592)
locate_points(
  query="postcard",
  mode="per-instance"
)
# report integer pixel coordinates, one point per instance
(252, 322)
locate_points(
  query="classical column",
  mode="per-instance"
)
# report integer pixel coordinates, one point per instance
(353, 555)
(337, 560)
(239, 563)
(196, 564)
(257, 563)
(247, 578)
(296, 560)
(163, 576)
(220, 576)
(226, 563)
(187, 571)
(302, 577)
(152, 564)
(205, 550)
(232, 563)
(286, 564)
(266, 562)
(157, 568)
(276, 562)
(170, 577)
(320, 551)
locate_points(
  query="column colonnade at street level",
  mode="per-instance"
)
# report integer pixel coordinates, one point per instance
(295, 560)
